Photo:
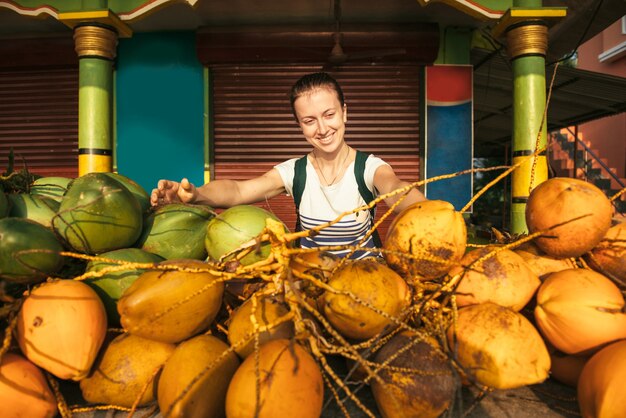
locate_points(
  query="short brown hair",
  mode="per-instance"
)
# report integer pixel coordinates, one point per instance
(314, 81)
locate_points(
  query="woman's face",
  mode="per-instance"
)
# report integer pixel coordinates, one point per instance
(322, 119)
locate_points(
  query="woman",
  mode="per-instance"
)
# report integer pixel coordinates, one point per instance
(331, 186)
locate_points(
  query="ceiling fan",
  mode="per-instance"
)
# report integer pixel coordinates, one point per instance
(337, 55)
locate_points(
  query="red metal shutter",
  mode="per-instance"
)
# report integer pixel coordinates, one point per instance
(39, 119)
(254, 128)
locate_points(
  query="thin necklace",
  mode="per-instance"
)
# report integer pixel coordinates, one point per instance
(338, 171)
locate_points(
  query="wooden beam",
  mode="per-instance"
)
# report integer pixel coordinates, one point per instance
(418, 42)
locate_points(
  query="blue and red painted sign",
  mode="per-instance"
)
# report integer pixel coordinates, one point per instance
(449, 133)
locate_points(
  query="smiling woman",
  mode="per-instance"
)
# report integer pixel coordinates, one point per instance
(318, 104)
(255, 128)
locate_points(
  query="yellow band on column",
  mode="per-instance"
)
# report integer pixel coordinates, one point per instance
(524, 174)
(94, 163)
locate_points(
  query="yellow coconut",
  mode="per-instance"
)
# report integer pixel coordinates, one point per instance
(601, 390)
(196, 377)
(24, 392)
(579, 310)
(171, 306)
(363, 287)
(425, 240)
(126, 371)
(499, 347)
(319, 264)
(566, 368)
(503, 278)
(541, 263)
(61, 327)
(575, 215)
(316, 264)
(289, 383)
(267, 311)
(609, 256)
(422, 383)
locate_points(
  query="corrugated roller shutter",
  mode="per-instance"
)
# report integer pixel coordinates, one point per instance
(254, 128)
(39, 119)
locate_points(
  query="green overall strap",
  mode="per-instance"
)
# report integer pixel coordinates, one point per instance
(366, 194)
(299, 180)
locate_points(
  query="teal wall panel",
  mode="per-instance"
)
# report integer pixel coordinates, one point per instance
(159, 109)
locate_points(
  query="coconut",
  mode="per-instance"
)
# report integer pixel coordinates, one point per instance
(195, 378)
(110, 286)
(29, 252)
(498, 347)
(125, 367)
(579, 310)
(566, 368)
(503, 278)
(575, 215)
(601, 391)
(376, 288)
(287, 380)
(310, 266)
(318, 264)
(98, 214)
(609, 256)
(24, 391)
(61, 326)
(171, 306)
(139, 192)
(424, 383)
(266, 312)
(431, 234)
(236, 226)
(37, 208)
(176, 230)
(541, 263)
(53, 187)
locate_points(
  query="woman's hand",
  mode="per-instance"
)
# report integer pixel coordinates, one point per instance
(168, 191)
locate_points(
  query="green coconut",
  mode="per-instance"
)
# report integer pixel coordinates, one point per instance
(98, 214)
(37, 208)
(235, 226)
(125, 367)
(176, 230)
(196, 377)
(139, 192)
(29, 252)
(112, 285)
(53, 187)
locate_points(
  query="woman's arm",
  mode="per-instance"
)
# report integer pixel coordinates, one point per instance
(220, 193)
(386, 181)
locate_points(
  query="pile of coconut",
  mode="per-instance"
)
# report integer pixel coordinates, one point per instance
(212, 314)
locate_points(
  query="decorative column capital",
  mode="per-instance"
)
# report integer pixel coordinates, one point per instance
(528, 38)
(526, 29)
(95, 41)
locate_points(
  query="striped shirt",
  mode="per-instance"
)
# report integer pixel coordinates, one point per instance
(322, 204)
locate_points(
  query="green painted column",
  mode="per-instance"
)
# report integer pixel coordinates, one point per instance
(94, 115)
(527, 42)
(96, 46)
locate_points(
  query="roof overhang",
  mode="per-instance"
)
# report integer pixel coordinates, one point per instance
(576, 96)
